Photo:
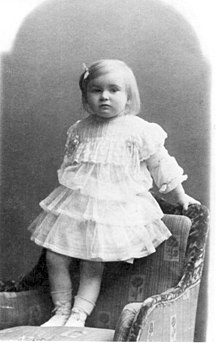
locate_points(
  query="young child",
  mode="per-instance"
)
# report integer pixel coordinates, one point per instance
(103, 210)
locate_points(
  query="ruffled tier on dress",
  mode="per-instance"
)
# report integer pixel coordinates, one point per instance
(83, 227)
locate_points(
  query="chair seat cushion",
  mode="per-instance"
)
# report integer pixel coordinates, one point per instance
(37, 333)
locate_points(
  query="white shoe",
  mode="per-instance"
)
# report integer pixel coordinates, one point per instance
(62, 313)
(77, 318)
(56, 320)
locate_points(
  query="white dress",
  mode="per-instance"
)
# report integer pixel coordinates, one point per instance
(103, 210)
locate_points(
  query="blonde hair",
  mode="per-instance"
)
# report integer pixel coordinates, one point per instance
(106, 66)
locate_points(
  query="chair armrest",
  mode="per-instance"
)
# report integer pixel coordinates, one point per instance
(175, 309)
(169, 316)
(125, 321)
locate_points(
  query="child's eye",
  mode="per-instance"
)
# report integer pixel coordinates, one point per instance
(114, 90)
(95, 90)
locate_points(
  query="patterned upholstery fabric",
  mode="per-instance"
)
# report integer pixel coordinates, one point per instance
(36, 333)
(170, 316)
(30, 307)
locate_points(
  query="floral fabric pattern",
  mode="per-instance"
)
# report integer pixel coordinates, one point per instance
(193, 267)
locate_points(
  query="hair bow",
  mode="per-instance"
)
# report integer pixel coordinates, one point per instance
(86, 71)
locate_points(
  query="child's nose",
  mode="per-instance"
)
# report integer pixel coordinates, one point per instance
(105, 95)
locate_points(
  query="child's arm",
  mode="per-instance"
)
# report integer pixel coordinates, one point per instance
(164, 169)
(181, 197)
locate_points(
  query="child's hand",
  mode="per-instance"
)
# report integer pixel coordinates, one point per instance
(185, 200)
(179, 196)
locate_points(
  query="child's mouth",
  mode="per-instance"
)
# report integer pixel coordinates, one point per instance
(105, 106)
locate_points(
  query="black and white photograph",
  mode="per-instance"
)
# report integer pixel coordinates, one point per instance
(108, 168)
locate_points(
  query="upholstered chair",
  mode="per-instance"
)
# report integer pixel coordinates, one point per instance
(153, 299)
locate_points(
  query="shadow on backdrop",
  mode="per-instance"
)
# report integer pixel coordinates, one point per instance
(41, 100)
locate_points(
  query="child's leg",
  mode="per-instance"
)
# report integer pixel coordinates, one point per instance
(60, 286)
(89, 287)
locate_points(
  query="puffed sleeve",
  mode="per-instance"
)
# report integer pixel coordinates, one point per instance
(72, 139)
(72, 142)
(164, 169)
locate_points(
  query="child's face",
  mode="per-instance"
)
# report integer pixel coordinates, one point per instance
(107, 95)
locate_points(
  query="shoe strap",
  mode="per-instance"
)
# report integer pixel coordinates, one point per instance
(78, 314)
(62, 309)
